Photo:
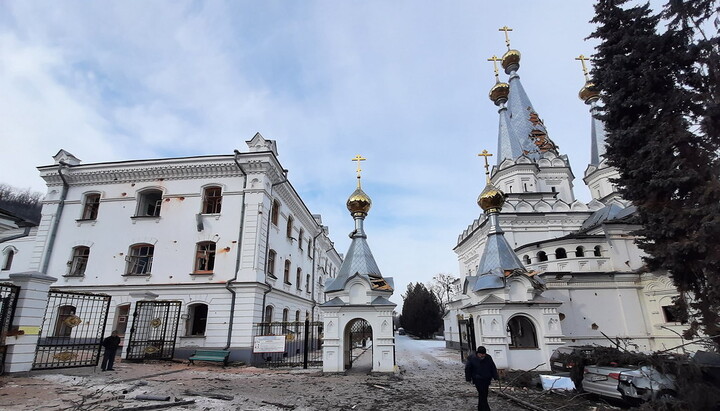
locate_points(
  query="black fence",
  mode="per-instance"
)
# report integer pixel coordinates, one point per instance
(72, 330)
(8, 302)
(154, 330)
(466, 330)
(288, 344)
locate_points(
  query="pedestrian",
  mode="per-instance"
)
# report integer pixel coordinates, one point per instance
(480, 369)
(111, 345)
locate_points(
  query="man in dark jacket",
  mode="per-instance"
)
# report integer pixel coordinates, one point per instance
(480, 369)
(111, 345)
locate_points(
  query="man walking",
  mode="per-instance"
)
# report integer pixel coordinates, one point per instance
(111, 344)
(480, 369)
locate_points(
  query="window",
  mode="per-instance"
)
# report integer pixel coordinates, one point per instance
(92, 204)
(275, 212)
(205, 257)
(9, 255)
(79, 261)
(66, 320)
(286, 274)
(598, 251)
(300, 238)
(560, 253)
(271, 263)
(286, 312)
(670, 313)
(526, 259)
(289, 229)
(307, 283)
(121, 318)
(197, 320)
(268, 320)
(522, 333)
(309, 247)
(139, 260)
(212, 200)
(542, 256)
(298, 278)
(149, 202)
(297, 322)
(580, 252)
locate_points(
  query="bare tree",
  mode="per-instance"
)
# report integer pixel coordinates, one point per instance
(445, 287)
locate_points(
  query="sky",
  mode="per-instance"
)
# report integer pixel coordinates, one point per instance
(403, 83)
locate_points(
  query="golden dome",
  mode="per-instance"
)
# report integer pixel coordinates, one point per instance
(499, 92)
(491, 199)
(359, 202)
(511, 57)
(588, 92)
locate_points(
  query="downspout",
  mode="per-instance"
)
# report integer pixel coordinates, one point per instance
(229, 282)
(56, 222)
(314, 263)
(267, 245)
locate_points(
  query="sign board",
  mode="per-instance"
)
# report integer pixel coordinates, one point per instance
(269, 343)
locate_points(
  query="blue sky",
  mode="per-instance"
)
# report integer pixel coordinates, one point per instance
(404, 83)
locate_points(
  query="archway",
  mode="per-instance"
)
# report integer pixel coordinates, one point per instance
(358, 349)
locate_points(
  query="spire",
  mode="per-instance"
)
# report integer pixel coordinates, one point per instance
(359, 259)
(590, 95)
(526, 134)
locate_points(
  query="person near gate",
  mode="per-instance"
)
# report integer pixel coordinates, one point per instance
(480, 369)
(111, 345)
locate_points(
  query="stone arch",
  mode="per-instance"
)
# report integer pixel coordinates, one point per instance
(523, 332)
(358, 344)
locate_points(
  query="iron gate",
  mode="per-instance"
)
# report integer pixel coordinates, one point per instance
(302, 345)
(72, 330)
(360, 339)
(8, 302)
(154, 330)
(467, 337)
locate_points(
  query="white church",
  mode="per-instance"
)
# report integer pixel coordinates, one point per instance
(540, 269)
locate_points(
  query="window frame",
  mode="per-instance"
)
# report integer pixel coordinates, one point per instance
(560, 253)
(76, 260)
(209, 255)
(145, 198)
(192, 324)
(275, 213)
(270, 264)
(212, 200)
(8, 255)
(298, 278)
(147, 257)
(286, 272)
(289, 227)
(91, 207)
(301, 234)
(513, 337)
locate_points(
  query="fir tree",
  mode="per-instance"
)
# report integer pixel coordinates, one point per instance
(422, 312)
(659, 85)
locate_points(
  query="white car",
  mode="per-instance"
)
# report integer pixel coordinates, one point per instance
(603, 380)
(646, 384)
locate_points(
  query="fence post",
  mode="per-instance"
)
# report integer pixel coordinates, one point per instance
(306, 343)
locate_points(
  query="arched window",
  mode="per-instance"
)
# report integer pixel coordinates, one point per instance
(300, 239)
(9, 253)
(196, 322)
(542, 256)
(289, 228)
(122, 312)
(522, 333)
(297, 321)
(149, 202)
(139, 259)
(560, 253)
(275, 212)
(580, 251)
(205, 258)
(598, 251)
(267, 330)
(66, 321)
(307, 283)
(286, 274)
(212, 200)
(286, 312)
(91, 206)
(298, 278)
(526, 259)
(271, 263)
(79, 260)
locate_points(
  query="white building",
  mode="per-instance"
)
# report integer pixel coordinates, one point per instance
(227, 236)
(590, 275)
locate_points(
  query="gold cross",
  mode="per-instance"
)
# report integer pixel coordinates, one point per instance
(358, 158)
(582, 61)
(494, 59)
(507, 38)
(485, 155)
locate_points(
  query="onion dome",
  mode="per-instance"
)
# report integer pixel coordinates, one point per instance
(491, 199)
(499, 93)
(511, 61)
(359, 202)
(588, 92)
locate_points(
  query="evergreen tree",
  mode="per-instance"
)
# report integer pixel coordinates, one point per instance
(422, 312)
(659, 84)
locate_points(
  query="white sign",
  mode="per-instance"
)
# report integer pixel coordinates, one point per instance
(269, 343)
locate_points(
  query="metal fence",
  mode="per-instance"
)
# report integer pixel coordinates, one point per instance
(72, 330)
(154, 330)
(302, 344)
(8, 302)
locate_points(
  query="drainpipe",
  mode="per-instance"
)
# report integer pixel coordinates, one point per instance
(267, 244)
(314, 263)
(229, 282)
(56, 222)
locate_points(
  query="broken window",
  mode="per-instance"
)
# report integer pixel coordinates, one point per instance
(522, 333)
(66, 320)
(149, 202)
(79, 260)
(197, 320)
(90, 209)
(286, 275)
(275, 212)
(139, 260)
(212, 200)
(271, 263)
(205, 257)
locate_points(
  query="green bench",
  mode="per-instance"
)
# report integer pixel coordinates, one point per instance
(210, 355)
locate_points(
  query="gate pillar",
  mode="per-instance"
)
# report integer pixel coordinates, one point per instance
(29, 314)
